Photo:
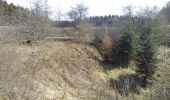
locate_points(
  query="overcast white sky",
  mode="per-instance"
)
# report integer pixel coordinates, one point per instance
(96, 7)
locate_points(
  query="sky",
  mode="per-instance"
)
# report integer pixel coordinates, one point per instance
(96, 7)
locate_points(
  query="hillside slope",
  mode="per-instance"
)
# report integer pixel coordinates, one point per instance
(49, 71)
(68, 71)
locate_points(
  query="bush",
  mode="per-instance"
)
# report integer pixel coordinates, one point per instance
(126, 84)
(121, 52)
(104, 45)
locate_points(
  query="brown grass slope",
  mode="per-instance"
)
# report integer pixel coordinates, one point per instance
(68, 71)
(49, 71)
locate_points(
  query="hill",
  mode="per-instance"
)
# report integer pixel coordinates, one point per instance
(67, 71)
(48, 71)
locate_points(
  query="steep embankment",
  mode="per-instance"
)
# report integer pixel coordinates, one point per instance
(67, 71)
(49, 71)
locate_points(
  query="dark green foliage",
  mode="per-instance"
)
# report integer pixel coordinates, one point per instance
(119, 53)
(146, 55)
(64, 24)
(110, 20)
(125, 51)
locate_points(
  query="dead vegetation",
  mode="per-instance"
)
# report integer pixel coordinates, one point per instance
(65, 70)
(53, 70)
(70, 70)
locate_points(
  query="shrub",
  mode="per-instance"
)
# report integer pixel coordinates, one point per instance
(104, 45)
(126, 84)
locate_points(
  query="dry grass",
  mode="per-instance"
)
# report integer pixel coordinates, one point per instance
(49, 70)
(66, 71)
(161, 86)
(19, 34)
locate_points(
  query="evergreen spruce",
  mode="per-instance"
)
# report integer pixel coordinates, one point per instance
(125, 52)
(146, 55)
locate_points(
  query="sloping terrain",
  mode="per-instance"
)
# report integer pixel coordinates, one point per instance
(49, 71)
(68, 71)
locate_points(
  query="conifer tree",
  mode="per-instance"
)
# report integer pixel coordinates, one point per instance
(126, 47)
(145, 58)
(126, 51)
(146, 55)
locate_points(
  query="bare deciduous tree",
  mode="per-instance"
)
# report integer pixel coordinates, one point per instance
(78, 13)
(36, 24)
(148, 12)
(59, 15)
(128, 10)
